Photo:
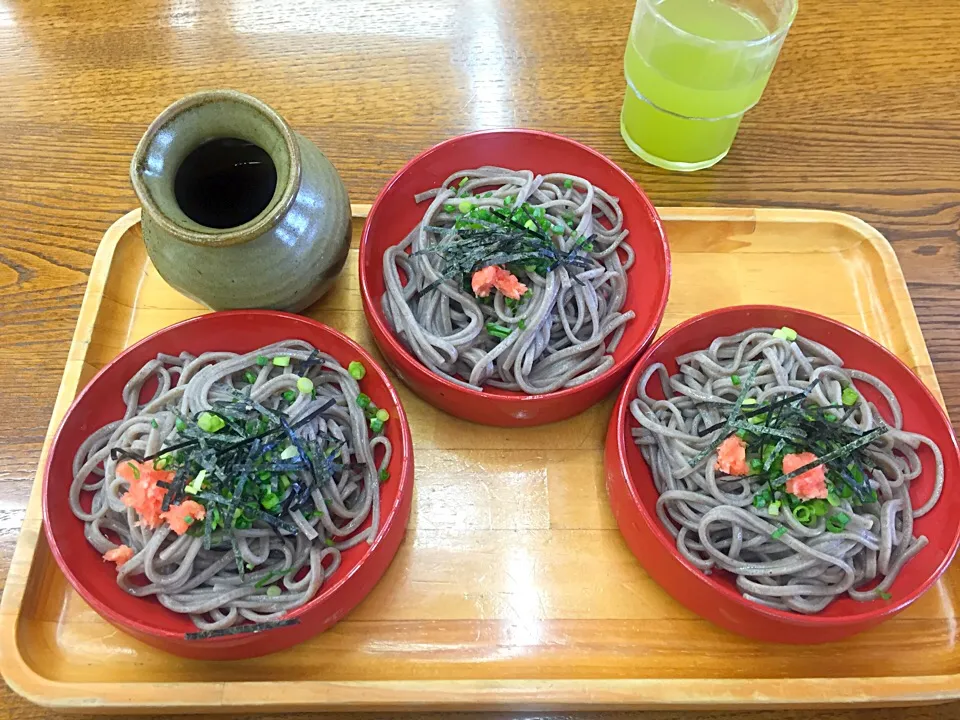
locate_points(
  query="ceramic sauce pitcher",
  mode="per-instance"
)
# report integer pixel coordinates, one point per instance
(239, 211)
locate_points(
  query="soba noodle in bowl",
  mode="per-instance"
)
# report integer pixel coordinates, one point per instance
(231, 493)
(512, 280)
(771, 466)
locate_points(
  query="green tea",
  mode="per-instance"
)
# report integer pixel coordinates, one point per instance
(686, 92)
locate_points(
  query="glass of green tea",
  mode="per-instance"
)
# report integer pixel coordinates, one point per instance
(693, 68)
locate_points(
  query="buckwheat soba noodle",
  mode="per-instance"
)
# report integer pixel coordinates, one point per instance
(771, 466)
(230, 495)
(512, 280)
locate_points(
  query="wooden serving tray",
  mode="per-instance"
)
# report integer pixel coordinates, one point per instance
(513, 586)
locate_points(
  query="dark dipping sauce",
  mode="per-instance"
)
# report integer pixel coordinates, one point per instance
(225, 182)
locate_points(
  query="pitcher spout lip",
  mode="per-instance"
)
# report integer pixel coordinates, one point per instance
(229, 236)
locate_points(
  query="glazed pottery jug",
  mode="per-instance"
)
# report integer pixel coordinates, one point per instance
(239, 211)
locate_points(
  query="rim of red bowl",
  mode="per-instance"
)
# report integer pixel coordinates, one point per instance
(136, 625)
(652, 521)
(375, 315)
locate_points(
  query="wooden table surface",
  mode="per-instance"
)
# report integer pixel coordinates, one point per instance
(861, 115)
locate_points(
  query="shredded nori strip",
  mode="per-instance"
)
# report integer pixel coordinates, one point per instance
(777, 449)
(120, 453)
(207, 530)
(237, 556)
(241, 629)
(761, 409)
(731, 418)
(466, 250)
(276, 522)
(180, 480)
(865, 439)
(770, 430)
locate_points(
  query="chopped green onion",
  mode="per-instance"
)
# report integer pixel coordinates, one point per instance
(488, 194)
(756, 465)
(289, 395)
(281, 360)
(270, 501)
(742, 434)
(376, 424)
(180, 425)
(465, 206)
(384, 475)
(748, 401)
(778, 533)
(837, 522)
(735, 379)
(558, 229)
(568, 183)
(135, 469)
(768, 453)
(774, 508)
(449, 208)
(153, 424)
(530, 225)
(269, 578)
(188, 519)
(356, 370)
(849, 396)
(289, 452)
(829, 417)
(498, 331)
(819, 507)
(196, 484)
(463, 181)
(522, 324)
(284, 482)
(833, 499)
(785, 333)
(305, 385)
(160, 463)
(262, 360)
(383, 415)
(803, 514)
(508, 200)
(884, 595)
(273, 591)
(210, 423)
(329, 542)
(363, 400)
(250, 377)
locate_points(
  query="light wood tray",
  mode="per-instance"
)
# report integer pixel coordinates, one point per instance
(513, 586)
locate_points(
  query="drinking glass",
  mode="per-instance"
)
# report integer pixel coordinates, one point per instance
(693, 68)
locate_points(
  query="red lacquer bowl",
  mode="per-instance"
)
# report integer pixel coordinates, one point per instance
(714, 597)
(395, 213)
(100, 402)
